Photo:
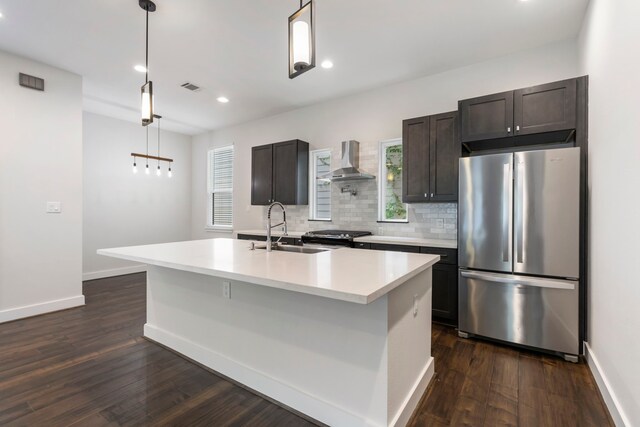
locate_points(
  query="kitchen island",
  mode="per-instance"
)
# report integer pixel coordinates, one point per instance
(343, 336)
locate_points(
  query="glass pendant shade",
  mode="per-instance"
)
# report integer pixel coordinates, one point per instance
(147, 103)
(302, 55)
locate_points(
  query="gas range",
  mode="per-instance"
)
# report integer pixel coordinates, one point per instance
(333, 237)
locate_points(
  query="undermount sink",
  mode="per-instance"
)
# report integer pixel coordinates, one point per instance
(296, 249)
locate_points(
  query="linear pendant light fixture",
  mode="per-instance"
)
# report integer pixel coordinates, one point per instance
(148, 157)
(147, 87)
(302, 40)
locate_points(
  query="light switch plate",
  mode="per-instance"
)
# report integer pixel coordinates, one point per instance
(54, 207)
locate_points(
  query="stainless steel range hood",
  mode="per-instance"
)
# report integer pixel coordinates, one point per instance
(350, 165)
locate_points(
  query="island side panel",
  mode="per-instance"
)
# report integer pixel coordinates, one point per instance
(411, 366)
(325, 358)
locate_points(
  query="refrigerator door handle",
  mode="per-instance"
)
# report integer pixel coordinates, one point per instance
(520, 210)
(519, 280)
(506, 212)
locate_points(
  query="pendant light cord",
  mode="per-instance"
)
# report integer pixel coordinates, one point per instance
(158, 142)
(147, 146)
(146, 59)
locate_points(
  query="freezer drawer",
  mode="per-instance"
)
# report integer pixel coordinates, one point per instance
(536, 312)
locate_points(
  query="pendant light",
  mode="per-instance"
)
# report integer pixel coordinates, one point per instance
(148, 157)
(302, 43)
(147, 88)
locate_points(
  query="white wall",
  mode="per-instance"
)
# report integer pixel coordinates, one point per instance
(123, 209)
(610, 54)
(369, 117)
(40, 161)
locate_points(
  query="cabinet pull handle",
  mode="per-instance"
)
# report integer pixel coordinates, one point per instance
(431, 194)
(425, 194)
(518, 128)
(509, 129)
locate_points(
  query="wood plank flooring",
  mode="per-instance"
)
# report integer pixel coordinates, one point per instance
(90, 366)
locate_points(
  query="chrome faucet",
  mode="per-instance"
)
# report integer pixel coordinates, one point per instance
(269, 226)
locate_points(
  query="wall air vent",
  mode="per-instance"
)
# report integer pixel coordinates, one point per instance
(190, 86)
(31, 82)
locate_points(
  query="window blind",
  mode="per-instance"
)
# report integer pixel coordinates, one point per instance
(221, 186)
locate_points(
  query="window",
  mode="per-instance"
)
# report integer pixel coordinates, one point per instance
(320, 205)
(390, 206)
(220, 188)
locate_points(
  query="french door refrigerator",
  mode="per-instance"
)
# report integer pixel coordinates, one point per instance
(519, 248)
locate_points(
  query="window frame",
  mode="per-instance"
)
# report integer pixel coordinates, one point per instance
(382, 181)
(211, 191)
(313, 155)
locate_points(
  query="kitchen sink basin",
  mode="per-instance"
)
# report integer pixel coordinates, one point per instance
(295, 249)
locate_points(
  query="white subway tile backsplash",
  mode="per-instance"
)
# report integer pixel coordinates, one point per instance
(426, 220)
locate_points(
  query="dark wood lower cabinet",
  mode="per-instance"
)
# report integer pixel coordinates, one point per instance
(444, 278)
(394, 248)
(445, 293)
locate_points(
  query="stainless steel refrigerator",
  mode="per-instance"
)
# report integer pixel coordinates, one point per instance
(519, 248)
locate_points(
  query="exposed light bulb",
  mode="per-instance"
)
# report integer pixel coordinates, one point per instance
(135, 169)
(301, 45)
(222, 99)
(146, 170)
(169, 173)
(326, 64)
(158, 171)
(140, 68)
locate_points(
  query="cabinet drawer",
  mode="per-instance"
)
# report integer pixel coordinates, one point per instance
(395, 248)
(252, 237)
(447, 256)
(361, 245)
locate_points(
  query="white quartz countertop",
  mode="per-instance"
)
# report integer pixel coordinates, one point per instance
(274, 232)
(343, 274)
(391, 240)
(408, 241)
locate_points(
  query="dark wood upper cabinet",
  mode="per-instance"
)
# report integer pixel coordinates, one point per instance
(261, 174)
(280, 173)
(545, 108)
(445, 151)
(415, 160)
(431, 149)
(486, 117)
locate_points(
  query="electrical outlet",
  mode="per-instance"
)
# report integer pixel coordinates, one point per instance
(380, 231)
(415, 305)
(226, 290)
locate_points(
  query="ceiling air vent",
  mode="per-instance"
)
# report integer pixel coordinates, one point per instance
(190, 86)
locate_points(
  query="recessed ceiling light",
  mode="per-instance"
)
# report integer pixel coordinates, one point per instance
(326, 64)
(140, 68)
(1, 15)
(222, 99)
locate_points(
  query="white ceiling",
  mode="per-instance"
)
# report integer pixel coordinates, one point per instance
(238, 48)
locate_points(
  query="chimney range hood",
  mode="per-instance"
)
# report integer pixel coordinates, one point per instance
(350, 163)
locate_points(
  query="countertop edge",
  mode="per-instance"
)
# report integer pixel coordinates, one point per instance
(276, 284)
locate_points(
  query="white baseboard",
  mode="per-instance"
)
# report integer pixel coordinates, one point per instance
(413, 398)
(100, 274)
(282, 392)
(40, 308)
(608, 394)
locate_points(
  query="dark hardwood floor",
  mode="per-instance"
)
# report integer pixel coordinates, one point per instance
(90, 366)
